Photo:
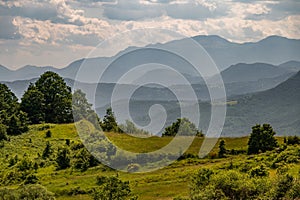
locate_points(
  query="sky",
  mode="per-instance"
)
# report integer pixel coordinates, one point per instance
(58, 32)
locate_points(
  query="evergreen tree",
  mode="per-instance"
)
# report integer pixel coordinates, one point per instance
(222, 149)
(47, 151)
(261, 139)
(63, 158)
(109, 123)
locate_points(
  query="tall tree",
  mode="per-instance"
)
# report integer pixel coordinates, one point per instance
(10, 114)
(63, 158)
(57, 98)
(261, 139)
(109, 123)
(33, 103)
(222, 149)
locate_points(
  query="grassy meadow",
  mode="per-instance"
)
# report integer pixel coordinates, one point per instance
(167, 183)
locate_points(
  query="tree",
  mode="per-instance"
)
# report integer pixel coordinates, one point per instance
(84, 159)
(222, 149)
(63, 159)
(111, 188)
(109, 123)
(10, 114)
(47, 151)
(33, 103)
(57, 98)
(182, 127)
(81, 107)
(3, 132)
(130, 128)
(261, 139)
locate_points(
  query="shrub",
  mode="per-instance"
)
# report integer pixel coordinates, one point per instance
(83, 160)
(47, 151)
(292, 140)
(31, 179)
(222, 149)
(68, 142)
(112, 188)
(259, 171)
(48, 134)
(3, 132)
(283, 185)
(62, 159)
(27, 192)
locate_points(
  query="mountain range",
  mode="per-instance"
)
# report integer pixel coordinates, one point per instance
(279, 106)
(273, 50)
(238, 79)
(261, 80)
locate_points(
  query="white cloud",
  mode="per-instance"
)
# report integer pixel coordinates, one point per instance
(74, 27)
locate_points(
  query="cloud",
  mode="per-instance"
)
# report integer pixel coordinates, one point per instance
(132, 10)
(8, 30)
(194, 11)
(31, 30)
(30, 9)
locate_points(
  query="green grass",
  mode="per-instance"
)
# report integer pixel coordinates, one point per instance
(166, 183)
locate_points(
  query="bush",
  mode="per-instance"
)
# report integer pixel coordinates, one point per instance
(83, 160)
(3, 132)
(29, 192)
(112, 188)
(289, 155)
(227, 185)
(47, 151)
(62, 159)
(31, 179)
(283, 185)
(292, 140)
(48, 134)
(259, 171)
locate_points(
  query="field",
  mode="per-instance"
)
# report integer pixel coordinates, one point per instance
(167, 183)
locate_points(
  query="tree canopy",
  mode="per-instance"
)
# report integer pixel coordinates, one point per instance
(53, 100)
(33, 103)
(10, 114)
(109, 122)
(261, 139)
(183, 127)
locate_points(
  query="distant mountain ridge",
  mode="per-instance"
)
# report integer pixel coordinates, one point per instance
(273, 50)
(279, 106)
